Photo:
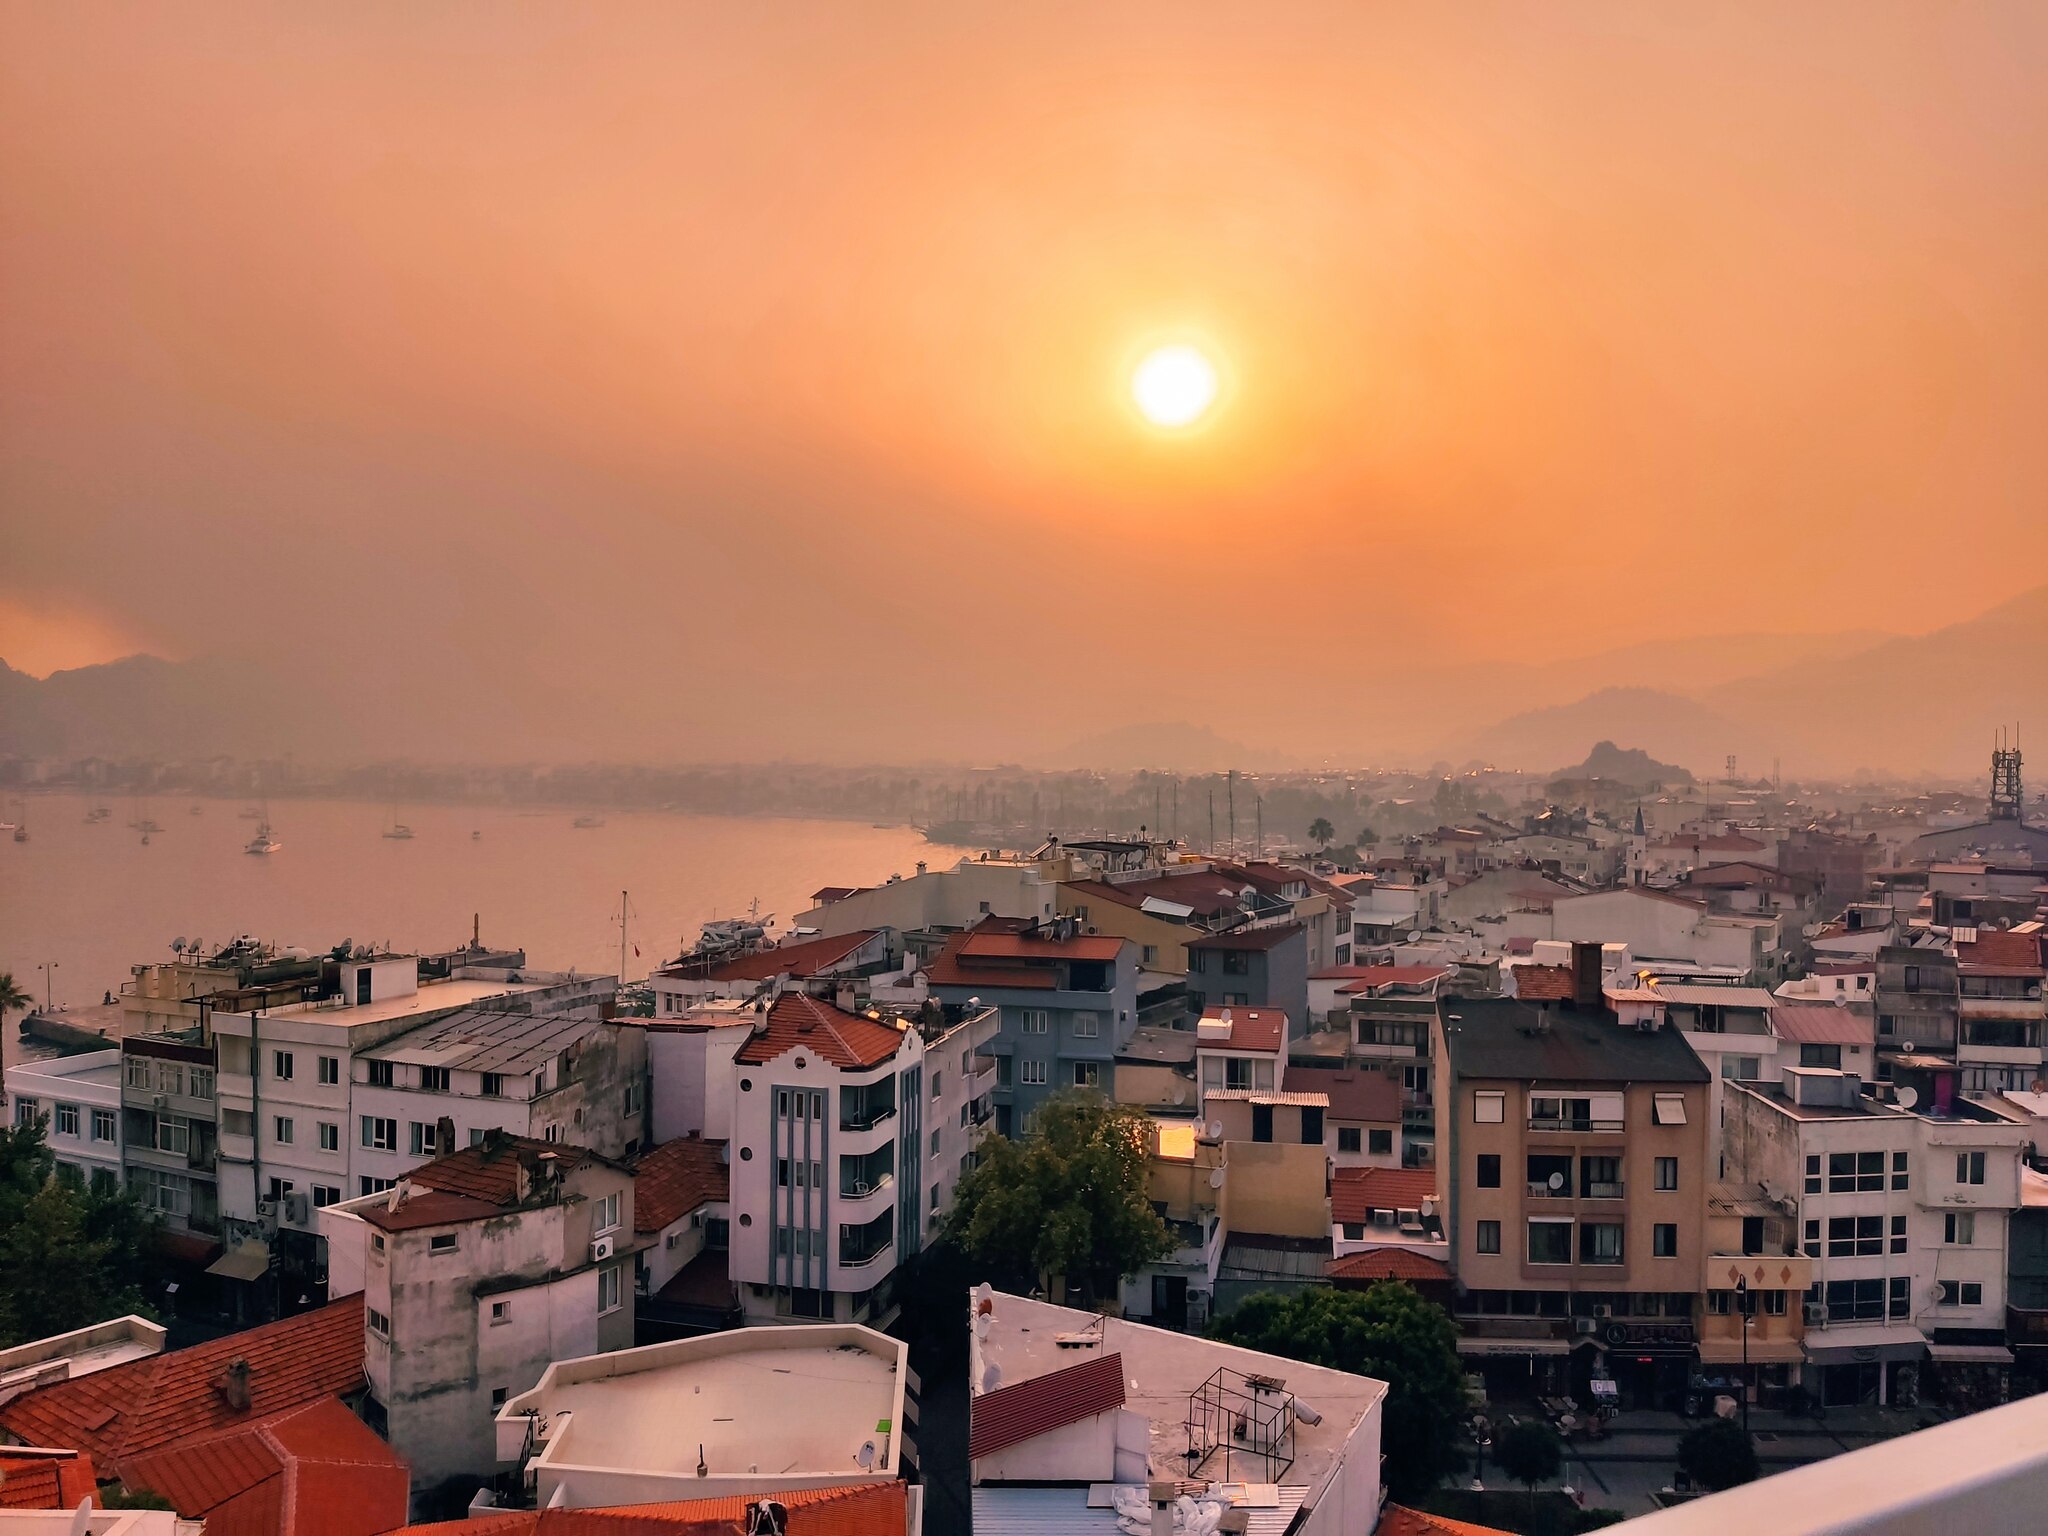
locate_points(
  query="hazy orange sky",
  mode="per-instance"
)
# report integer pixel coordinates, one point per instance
(757, 374)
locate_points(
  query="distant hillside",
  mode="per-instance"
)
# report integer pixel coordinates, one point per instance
(1664, 725)
(143, 706)
(1625, 765)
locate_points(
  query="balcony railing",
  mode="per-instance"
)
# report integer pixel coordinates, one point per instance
(867, 1119)
(856, 1258)
(1538, 1190)
(1600, 1191)
(1573, 1123)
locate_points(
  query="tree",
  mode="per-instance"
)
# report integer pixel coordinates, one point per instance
(69, 1257)
(1070, 1203)
(1528, 1450)
(11, 996)
(1367, 837)
(1387, 1332)
(1320, 831)
(1717, 1455)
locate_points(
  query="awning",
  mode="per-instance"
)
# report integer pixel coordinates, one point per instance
(1969, 1354)
(1761, 1352)
(1513, 1347)
(244, 1261)
(1873, 1341)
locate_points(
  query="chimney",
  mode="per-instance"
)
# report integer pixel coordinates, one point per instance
(233, 1386)
(1163, 1497)
(1586, 992)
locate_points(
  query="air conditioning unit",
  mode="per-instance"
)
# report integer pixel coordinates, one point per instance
(1816, 1312)
(600, 1249)
(298, 1208)
(1584, 1325)
(1603, 1310)
(159, 1101)
(266, 1208)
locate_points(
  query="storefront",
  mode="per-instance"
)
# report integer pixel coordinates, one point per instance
(1968, 1374)
(1774, 1366)
(1651, 1360)
(1515, 1368)
(1865, 1363)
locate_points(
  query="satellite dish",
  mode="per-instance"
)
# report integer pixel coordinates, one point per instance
(1429, 1205)
(1841, 1000)
(1215, 1130)
(1555, 1181)
(1906, 1047)
(991, 1376)
(1215, 1178)
(1908, 1097)
(1414, 935)
(178, 945)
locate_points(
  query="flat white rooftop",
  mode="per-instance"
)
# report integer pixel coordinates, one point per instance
(797, 1404)
(460, 992)
(78, 1353)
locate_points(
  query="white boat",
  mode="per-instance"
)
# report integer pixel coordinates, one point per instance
(398, 830)
(263, 842)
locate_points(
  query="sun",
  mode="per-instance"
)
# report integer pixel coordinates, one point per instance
(1174, 386)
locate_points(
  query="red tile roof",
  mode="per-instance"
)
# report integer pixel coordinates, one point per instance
(2002, 949)
(1023, 1410)
(1356, 1095)
(1248, 938)
(1822, 1024)
(846, 1040)
(129, 1409)
(1388, 1264)
(315, 1470)
(1251, 1029)
(39, 1479)
(1399, 1520)
(830, 893)
(472, 1184)
(673, 1179)
(864, 1509)
(1357, 1192)
(1544, 983)
(982, 944)
(810, 957)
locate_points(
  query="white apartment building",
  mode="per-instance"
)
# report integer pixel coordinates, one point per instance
(288, 1131)
(81, 1095)
(477, 1272)
(1903, 1209)
(849, 1134)
(566, 1077)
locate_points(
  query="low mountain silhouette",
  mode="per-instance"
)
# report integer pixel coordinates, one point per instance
(1625, 765)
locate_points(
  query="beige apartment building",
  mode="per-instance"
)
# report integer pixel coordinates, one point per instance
(1574, 1160)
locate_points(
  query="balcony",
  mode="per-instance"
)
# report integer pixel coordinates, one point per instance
(1575, 1123)
(1595, 1190)
(1540, 1190)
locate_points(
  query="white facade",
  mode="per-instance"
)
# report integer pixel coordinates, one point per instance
(691, 1081)
(82, 1097)
(942, 899)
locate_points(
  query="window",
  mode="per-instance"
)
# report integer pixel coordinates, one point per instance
(1487, 1175)
(1087, 1074)
(1720, 1303)
(381, 1075)
(1969, 1167)
(170, 1078)
(330, 1136)
(1963, 1293)
(326, 1194)
(1488, 1108)
(1032, 1072)
(608, 1212)
(26, 1110)
(1959, 1227)
(1857, 1301)
(202, 1082)
(365, 1185)
(67, 1120)
(1348, 1138)
(1898, 1234)
(1811, 1246)
(1813, 1174)
(379, 1323)
(1898, 1303)
(1600, 1242)
(1853, 1172)
(1148, 954)
(441, 1242)
(1034, 1021)
(1667, 1173)
(1380, 1142)
(1773, 1303)
(936, 1075)
(1005, 1071)
(1900, 1170)
(433, 1079)
(281, 1129)
(1486, 1239)
(501, 1312)
(1550, 1242)
(1664, 1240)
(279, 1188)
(422, 1142)
(1668, 1109)
(1852, 1237)
(498, 1395)
(281, 1066)
(1086, 1026)
(494, 1085)
(138, 1072)
(379, 1134)
(330, 1070)
(608, 1289)
(103, 1125)
(173, 1134)
(1820, 1056)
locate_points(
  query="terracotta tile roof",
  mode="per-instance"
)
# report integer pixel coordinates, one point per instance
(1543, 983)
(864, 1509)
(1012, 1414)
(673, 1179)
(1207, 891)
(315, 1470)
(1102, 890)
(471, 1184)
(1399, 1520)
(1823, 1024)
(430, 1208)
(129, 1409)
(1357, 1095)
(830, 893)
(1357, 1192)
(948, 969)
(1389, 1264)
(2003, 949)
(39, 1479)
(846, 1040)
(1251, 1029)
(1248, 938)
(810, 957)
(981, 944)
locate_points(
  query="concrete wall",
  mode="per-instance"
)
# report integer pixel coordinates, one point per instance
(1274, 1188)
(691, 1081)
(941, 898)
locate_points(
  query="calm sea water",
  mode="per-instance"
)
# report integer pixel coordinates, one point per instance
(95, 901)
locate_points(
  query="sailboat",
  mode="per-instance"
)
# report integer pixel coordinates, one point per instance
(147, 824)
(98, 814)
(21, 826)
(397, 830)
(263, 842)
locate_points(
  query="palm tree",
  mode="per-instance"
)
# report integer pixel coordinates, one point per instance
(1321, 831)
(11, 996)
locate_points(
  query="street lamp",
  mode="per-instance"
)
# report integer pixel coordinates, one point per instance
(49, 970)
(1743, 1305)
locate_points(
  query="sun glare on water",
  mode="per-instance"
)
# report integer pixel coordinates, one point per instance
(1174, 386)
